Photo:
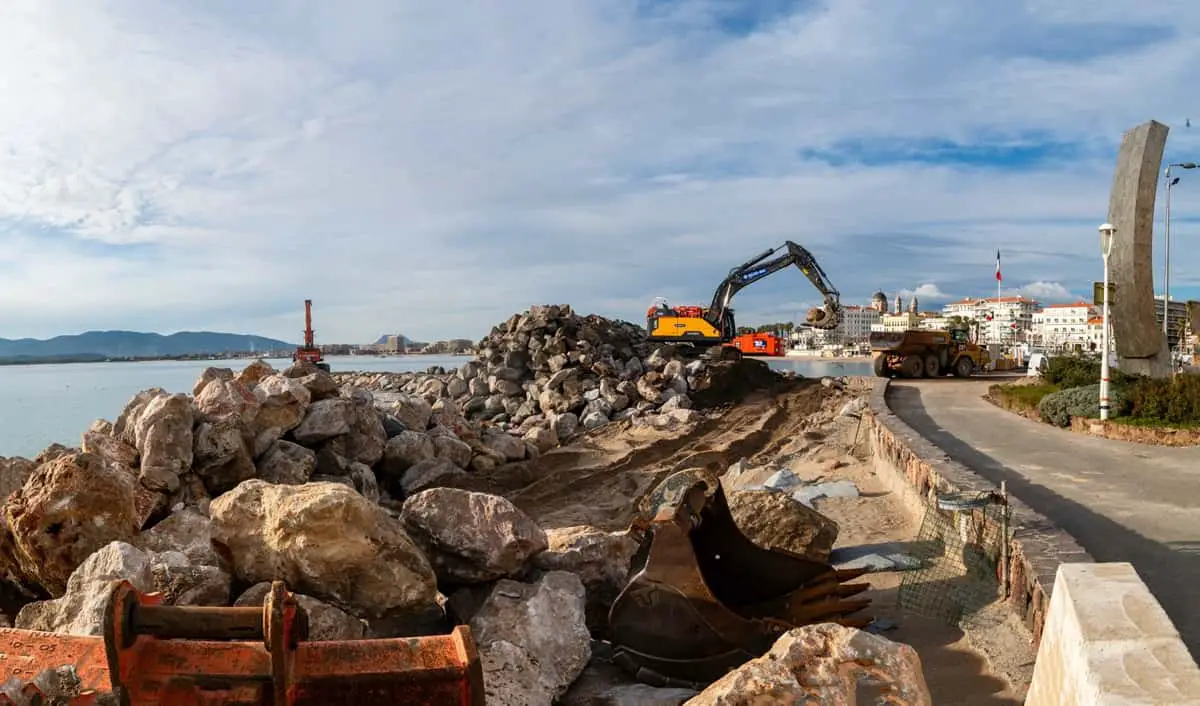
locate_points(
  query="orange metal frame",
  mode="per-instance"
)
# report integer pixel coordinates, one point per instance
(150, 655)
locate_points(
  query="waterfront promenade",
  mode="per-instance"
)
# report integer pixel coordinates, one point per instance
(1121, 501)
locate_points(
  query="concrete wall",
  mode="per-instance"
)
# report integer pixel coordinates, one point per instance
(914, 468)
(1108, 641)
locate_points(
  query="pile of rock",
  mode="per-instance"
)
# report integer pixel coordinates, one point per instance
(266, 475)
(550, 370)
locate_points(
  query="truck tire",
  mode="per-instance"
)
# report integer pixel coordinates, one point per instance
(912, 366)
(880, 366)
(963, 367)
(933, 368)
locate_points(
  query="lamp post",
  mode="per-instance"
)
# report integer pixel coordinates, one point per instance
(1106, 240)
(1167, 258)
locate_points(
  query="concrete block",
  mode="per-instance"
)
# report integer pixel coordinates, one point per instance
(1107, 641)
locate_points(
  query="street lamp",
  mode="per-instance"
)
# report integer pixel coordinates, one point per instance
(1106, 240)
(1167, 259)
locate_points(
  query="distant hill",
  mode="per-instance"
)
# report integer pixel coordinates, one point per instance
(132, 344)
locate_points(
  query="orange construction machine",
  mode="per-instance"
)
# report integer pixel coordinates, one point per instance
(309, 352)
(763, 344)
(152, 655)
(711, 331)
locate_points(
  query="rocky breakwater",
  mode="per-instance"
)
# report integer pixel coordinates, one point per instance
(268, 475)
(548, 373)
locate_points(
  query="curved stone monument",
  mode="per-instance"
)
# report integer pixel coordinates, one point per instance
(1141, 346)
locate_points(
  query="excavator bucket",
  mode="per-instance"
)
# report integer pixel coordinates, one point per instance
(823, 317)
(153, 654)
(703, 598)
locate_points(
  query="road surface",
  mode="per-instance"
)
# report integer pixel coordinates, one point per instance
(1121, 501)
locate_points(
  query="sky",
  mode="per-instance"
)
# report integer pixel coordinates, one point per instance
(431, 168)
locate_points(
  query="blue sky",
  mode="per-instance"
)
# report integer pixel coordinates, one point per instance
(432, 168)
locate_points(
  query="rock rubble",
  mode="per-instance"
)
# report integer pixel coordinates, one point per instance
(548, 373)
(347, 495)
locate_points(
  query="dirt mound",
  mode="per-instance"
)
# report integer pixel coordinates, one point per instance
(729, 382)
(599, 480)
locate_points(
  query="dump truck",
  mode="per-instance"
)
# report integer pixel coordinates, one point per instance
(921, 353)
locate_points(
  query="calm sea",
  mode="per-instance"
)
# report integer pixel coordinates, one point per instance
(42, 404)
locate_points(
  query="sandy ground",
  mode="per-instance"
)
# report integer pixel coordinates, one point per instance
(599, 480)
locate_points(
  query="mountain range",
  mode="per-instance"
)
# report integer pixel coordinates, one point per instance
(134, 344)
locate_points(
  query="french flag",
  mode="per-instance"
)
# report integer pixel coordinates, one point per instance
(998, 277)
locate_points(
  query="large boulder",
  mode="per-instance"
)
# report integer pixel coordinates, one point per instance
(471, 537)
(774, 519)
(81, 608)
(283, 402)
(325, 420)
(600, 559)
(324, 540)
(163, 437)
(366, 439)
(544, 621)
(287, 463)
(824, 664)
(413, 411)
(67, 509)
(222, 455)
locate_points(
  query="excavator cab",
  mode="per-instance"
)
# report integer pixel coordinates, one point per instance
(152, 655)
(703, 599)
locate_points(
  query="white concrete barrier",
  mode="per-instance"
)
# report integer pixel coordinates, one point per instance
(1107, 642)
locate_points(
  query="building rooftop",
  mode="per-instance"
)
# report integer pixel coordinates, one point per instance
(1076, 305)
(992, 300)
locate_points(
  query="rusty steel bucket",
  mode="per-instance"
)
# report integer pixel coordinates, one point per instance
(704, 599)
(189, 655)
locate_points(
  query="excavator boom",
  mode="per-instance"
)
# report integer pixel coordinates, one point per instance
(760, 267)
(153, 655)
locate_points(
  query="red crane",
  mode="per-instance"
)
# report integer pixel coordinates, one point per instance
(309, 352)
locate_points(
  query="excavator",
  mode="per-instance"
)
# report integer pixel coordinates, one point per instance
(712, 331)
(309, 352)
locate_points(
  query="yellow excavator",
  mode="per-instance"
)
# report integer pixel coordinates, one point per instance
(711, 330)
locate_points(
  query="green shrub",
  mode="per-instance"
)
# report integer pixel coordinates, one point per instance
(1024, 397)
(1067, 372)
(1174, 400)
(1058, 407)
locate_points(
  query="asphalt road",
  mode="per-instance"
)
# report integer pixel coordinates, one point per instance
(1121, 501)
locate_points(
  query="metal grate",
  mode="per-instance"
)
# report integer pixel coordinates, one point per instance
(958, 552)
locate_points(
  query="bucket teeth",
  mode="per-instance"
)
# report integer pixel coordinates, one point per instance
(850, 574)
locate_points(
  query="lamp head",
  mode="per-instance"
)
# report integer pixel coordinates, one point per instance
(1107, 231)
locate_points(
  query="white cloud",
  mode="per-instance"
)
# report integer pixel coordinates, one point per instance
(1046, 292)
(927, 293)
(432, 168)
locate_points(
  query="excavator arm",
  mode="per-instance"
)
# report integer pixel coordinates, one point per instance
(753, 270)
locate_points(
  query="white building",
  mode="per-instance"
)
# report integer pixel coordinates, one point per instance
(934, 322)
(855, 326)
(1063, 325)
(1001, 319)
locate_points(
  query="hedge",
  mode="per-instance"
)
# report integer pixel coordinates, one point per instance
(1174, 400)
(1058, 407)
